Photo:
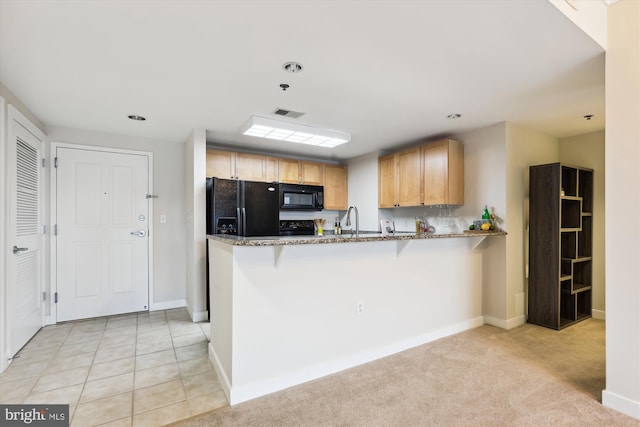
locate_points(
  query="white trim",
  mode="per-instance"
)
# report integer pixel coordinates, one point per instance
(54, 219)
(197, 316)
(598, 314)
(514, 322)
(222, 376)
(251, 391)
(4, 356)
(621, 404)
(168, 305)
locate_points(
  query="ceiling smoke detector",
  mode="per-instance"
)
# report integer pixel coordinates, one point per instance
(137, 118)
(588, 116)
(454, 116)
(292, 67)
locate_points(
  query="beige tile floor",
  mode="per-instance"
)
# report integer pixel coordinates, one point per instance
(140, 369)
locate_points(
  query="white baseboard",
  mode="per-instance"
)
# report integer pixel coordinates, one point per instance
(621, 404)
(242, 393)
(197, 316)
(167, 305)
(598, 314)
(222, 376)
(505, 323)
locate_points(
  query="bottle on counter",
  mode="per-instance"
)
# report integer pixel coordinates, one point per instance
(339, 228)
(486, 217)
(335, 226)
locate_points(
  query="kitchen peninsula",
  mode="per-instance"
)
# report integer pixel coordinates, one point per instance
(289, 310)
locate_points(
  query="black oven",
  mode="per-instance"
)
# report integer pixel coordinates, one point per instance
(301, 197)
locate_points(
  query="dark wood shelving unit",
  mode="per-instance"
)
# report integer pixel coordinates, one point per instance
(560, 244)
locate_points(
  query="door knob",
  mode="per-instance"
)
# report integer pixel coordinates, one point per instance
(17, 249)
(139, 233)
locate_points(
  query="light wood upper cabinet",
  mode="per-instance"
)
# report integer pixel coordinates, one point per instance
(312, 173)
(300, 172)
(221, 164)
(335, 187)
(387, 182)
(399, 179)
(271, 168)
(431, 174)
(250, 167)
(244, 166)
(443, 173)
(409, 177)
(289, 171)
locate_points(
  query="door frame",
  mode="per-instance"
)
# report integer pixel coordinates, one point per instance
(16, 118)
(54, 219)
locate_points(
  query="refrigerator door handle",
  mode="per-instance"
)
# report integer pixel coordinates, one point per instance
(244, 222)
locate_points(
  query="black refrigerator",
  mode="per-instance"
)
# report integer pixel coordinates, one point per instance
(242, 208)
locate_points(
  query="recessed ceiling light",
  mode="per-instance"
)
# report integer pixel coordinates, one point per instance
(138, 118)
(292, 67)
(294, 132)
(454, 116)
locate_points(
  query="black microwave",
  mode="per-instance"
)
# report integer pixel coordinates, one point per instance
(301, 197)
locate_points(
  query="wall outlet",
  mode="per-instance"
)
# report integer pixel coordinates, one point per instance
(360, 308)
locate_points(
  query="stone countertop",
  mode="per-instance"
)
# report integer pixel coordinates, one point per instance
(342, 238)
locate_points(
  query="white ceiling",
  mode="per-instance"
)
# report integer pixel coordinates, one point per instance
(388, 72)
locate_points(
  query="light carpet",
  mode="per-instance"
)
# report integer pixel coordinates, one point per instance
(528, 376)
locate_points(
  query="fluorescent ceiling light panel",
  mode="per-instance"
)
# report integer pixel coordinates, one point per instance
(294, 132)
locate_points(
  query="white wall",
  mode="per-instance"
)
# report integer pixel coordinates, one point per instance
(485, 183)
(195, 163)
(588, 151)
(622, 203)
(169, 244)
(363, 190)
(525, 147)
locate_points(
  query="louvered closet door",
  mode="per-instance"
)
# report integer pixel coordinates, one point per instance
(24, 308)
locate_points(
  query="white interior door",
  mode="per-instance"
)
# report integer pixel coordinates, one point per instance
(24, 290)
(102, 217)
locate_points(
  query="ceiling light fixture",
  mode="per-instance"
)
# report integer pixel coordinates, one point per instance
(294, 132)
(454, 116)
(137, 118)
(292, 67)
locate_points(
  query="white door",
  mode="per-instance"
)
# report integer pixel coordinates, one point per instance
(24, 290)
(102, 246)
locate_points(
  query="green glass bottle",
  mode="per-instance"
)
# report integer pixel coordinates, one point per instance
(486, 217)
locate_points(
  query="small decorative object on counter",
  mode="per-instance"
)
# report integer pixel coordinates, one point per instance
(335, 226)
(486, 217)
(339, 228)
(320, 225)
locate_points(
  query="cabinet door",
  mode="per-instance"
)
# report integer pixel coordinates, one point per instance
(220, 164)
(387, 170)
(409, 177)
(435, 166)
(335, 187)
(271, 169)
(312, 173)
(289, 171)
(443, 173)
(250, 167)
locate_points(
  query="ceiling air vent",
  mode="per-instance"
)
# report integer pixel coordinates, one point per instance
(287, 113)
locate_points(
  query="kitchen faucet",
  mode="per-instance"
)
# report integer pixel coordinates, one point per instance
(348, 222)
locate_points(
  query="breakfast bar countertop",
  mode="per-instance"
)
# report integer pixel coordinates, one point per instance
(364, 236)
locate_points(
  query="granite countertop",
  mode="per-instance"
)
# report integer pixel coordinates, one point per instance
(364, 236)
